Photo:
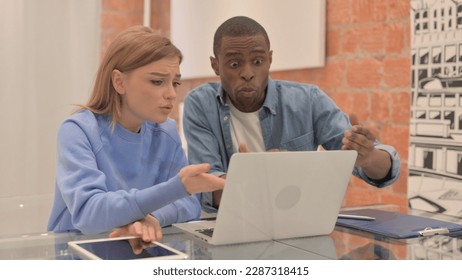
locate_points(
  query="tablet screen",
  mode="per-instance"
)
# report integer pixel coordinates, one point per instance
(122, 250)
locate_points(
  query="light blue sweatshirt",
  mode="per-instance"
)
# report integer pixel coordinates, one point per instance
(109, 178)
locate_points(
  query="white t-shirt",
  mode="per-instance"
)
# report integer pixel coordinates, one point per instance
(245, 128)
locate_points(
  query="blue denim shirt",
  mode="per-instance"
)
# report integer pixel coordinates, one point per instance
(294, 117)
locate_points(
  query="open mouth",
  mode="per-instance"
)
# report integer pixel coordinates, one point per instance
(247, 91)
(168, 107)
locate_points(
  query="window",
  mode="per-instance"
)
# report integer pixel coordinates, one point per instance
(460, 52)
(436, 55)
(420, 114)
(450, 52)
(422, 100)
(435, 100)
(423, 73)
(436, 71)
(450, 100)
(460, 122)
(447, 71)
(423, 56)
(428, 160)
(435, 115)
(449, 115)
(459, 164)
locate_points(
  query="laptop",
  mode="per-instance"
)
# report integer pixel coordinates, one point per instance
(278, 195)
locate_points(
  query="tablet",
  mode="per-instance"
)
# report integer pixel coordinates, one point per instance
(119, 248)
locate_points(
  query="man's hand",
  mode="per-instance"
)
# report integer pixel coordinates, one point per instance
(359, 138)
(375, 163)
(243, 148)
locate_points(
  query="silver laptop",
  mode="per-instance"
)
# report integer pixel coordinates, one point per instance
(278, 195)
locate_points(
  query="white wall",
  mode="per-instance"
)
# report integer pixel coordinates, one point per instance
(48, 57)
(296, 29)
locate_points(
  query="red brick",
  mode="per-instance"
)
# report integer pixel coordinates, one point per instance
(398, 9)
(350, 41)
(333, 43)
(407, 36)
(296, 75)
(372, 39)
(400, 107)
(331, 76)
(369, 10)
(361, 196)
(394, 38)
(400, 186)
(380, 103)
(364, 73)
(397, 71)
(343, 101)
(338, 12)
(136, 7)
(118, 21)
(160, 17)
(355, 182)
(394, 199)
(357, 103)
(116, 5)
(105, 22)
(312, 76)
(398, 137)
(361, 106)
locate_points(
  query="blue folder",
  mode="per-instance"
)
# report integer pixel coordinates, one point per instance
(397, 225)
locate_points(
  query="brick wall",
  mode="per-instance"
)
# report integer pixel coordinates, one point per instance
(367, 71)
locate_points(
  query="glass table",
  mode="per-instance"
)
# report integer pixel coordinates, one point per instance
(341, 244)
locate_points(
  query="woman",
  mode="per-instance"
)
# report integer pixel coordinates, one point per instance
(120, 162)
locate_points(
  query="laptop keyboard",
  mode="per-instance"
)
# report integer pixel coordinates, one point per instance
(206, 231)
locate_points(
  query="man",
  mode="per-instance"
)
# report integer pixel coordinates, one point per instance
(248, 111)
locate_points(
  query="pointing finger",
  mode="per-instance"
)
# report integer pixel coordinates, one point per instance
(354, 119)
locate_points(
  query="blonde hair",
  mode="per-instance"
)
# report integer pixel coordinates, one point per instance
(134, 47)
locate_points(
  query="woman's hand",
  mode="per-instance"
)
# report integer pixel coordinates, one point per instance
(148, 229)
(196, 179)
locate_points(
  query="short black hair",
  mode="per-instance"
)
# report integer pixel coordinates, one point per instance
(236, 27)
